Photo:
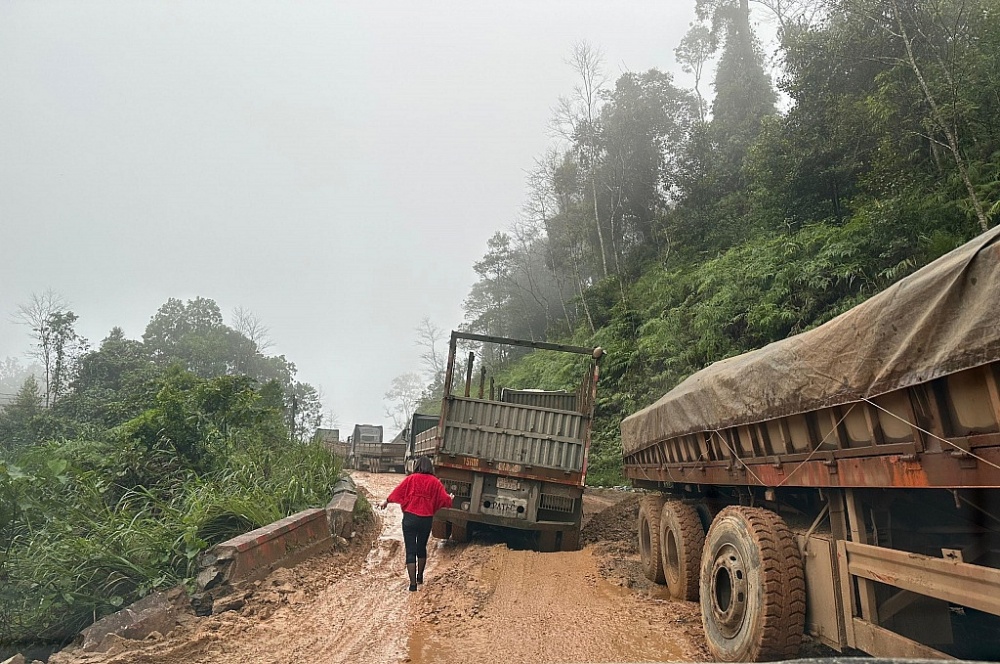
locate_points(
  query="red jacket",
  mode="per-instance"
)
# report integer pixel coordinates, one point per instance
(420, 494)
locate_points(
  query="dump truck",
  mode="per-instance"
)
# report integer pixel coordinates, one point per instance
(513, 458)
(842, 482)
(330, 438)
(419, 423)
(369, 452)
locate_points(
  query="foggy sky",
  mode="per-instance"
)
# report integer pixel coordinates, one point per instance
(336, 167)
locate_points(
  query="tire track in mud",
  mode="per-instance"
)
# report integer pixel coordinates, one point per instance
(523, 606)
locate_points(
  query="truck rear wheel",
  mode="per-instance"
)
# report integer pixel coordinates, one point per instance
(439, 529)
(753, 598)
(682, 538)
(460, 533)
(546, 540)
(570, 540)
(649, 538)
(705, 514)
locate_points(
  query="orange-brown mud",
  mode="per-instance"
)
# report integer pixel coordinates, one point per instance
(482, 601)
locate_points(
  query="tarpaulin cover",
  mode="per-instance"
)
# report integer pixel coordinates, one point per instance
(942, 319)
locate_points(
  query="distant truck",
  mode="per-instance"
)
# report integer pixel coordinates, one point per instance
(419, 424)
(516, 459)
(843, 482)
(331, 440)
(369, 452)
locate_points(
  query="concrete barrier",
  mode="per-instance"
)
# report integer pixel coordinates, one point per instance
(255, 554)
(340, 510)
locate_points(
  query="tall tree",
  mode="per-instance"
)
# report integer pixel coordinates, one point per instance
(66, 347)
(693, 53)
(402, 398)
(192, 334)
(305, 410)
(744, 94)
(490, 295)
(114, 383)
(35, 314)
(932, 40)
(253, 338)
(576, 118)
(16, 419)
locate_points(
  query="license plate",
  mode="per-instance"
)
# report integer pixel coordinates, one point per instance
(509, 484)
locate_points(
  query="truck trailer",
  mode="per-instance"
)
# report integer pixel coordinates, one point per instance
(513, 458)
(419, 424)
(369, 452)
(842, 482)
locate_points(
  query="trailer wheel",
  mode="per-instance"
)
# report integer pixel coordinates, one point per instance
(682, 538)
(459, 533)
(705, 514)
(649, 538)
(753, 598)
(439, 529)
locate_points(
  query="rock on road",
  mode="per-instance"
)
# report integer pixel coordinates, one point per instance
(481, 602)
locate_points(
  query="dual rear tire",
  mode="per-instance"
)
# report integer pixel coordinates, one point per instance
(548, 541)
(682, 538)
(670, 542)
(456, 532)
(747, 573)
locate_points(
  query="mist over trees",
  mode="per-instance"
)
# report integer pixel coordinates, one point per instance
(676, 227)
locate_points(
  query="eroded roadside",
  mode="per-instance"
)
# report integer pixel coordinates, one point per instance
(481, 601)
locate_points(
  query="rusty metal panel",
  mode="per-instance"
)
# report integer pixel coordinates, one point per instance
(880, 642)
(824, 606)
(897, 467)
(540, 399)
(426, 442)
(523, 435)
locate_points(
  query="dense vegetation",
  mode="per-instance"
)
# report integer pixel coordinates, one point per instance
(674, 237)
(133, 458)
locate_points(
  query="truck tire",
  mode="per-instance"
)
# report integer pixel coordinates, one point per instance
(570, 540)
(753, 597)
(649, 538)
(546, 541)
(705, 514)
(460, 533)
(439, 529)
(682, 538)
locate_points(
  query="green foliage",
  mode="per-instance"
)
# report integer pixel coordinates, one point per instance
(94, 525)
(114, 491)
(19, 419)
(362, 509)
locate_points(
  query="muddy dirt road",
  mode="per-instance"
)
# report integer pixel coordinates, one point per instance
(481, 601)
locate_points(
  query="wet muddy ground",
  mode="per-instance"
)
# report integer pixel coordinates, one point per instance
(482, 601)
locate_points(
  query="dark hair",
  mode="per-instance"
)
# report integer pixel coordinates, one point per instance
(424, 466)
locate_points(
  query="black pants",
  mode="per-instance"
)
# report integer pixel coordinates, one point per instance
(416, 530)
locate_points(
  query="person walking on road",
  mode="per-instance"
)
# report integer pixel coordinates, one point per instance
(420, 495)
